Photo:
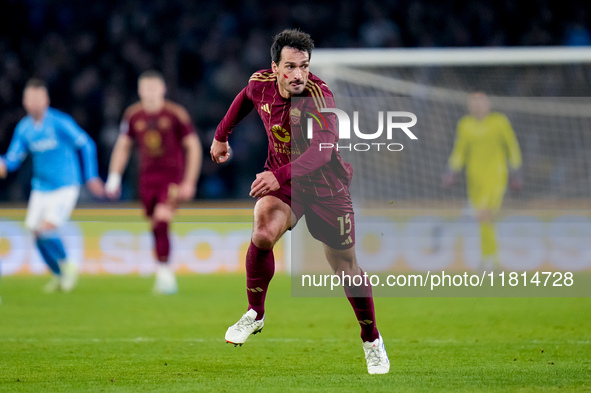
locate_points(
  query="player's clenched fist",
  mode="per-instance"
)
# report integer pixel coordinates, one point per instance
(96, 187)
(186, 191)
(220, 151)
(264, 183)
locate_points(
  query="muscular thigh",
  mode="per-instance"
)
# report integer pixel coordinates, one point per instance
(272, 218)
(332, 221)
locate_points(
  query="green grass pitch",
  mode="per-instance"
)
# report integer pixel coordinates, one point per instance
(112, 335)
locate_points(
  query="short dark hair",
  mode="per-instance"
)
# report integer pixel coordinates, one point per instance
(35, 83)
(151, 74)
(291, 38)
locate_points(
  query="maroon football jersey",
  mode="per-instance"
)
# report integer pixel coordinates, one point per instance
(159, 137)
(286, 132)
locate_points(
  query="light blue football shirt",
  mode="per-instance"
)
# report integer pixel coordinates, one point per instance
(54, 144)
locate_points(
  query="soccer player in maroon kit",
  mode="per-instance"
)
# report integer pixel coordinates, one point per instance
(170, 161)
(299, 178)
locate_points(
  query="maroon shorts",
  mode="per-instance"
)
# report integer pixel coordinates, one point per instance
(152, 195)
(329, 219)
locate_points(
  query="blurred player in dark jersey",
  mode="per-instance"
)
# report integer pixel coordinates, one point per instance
(299, 179)
(170, 161)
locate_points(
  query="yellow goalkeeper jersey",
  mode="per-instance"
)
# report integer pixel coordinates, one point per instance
(485, 148)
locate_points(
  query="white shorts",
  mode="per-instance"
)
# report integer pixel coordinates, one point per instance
(54, 207)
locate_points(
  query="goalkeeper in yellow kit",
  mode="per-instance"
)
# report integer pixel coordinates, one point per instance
(487, 147)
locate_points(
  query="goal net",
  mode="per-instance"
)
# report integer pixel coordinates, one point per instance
(543, 92)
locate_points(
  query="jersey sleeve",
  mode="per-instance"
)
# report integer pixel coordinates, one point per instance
(125, 127)
(17, 151)
(241, 106)
(312, 159)
(73, 134)
(513, 150)
(457, 159)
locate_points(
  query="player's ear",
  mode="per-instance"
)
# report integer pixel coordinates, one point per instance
(274, 66)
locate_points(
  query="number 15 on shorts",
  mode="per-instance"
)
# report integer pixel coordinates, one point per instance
(345, 224)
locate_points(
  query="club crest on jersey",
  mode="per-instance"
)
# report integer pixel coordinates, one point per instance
(296, 115)
(280, 133)
(140, 126)
(164, 123)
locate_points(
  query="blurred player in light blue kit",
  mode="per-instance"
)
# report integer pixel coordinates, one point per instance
(57, 146)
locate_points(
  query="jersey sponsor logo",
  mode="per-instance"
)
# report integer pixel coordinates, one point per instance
(153, 142)
(266, 108)
(164, 123)
(140, 126)
(43, 145)
(296, 115)
(281, 133)
(284, 148)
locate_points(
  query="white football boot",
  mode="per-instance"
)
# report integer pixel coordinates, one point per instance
(53, 285)
(165, 280)
(69, 277)
(241, 330)
(376, 356)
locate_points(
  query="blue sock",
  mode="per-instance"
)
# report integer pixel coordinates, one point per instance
(56, 247)
(52, 250)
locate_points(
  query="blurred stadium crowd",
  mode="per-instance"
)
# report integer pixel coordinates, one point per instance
(91, 52)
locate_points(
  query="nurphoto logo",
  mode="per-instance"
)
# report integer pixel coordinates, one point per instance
(391, 118)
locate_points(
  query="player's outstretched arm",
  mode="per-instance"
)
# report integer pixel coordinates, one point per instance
(119, 159)
(193, 154)
(90, 168)
(241, 106)
(72, 133)
(457, 158)
(16, 154)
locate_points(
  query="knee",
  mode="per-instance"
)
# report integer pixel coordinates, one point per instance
(162, 213)
(44, 229)
(263, 238)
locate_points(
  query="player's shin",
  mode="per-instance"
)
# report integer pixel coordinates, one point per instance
(488, 239)
(260, 268)
(52, 250)
(361, 299)
(161, 241)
